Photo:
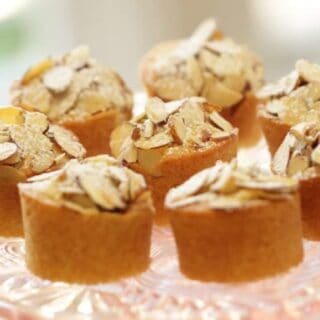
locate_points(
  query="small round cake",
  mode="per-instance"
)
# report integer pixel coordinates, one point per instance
(171, 141)
(29, 145)
(233, 224)
(211, 66)
(299, 156)
(89, 222)
(77, 93)
(293, 99)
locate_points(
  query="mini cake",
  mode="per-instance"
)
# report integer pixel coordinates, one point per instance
(171, 141)
(211, 66)
(293, 99)
(89, 222)
(29, 145)
(77, 93)
(233, 224)
(299, 156)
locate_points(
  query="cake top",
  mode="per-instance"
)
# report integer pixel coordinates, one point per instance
(28, 142)
(296, 97)
(299, 153)
(218, 69)
(226, 186)
(72, 86)
(176, 126)
(96, 184)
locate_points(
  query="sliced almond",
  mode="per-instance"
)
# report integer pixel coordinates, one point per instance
(118, 136)
(282, 155)
(275, 107)
(218, 94)
(224, 46)
(78, 57)
(310, 72)
(192, 113)
(158, 140)
(128, 151)
(37, 149)
(7, 149)
(101, 190)
(36, 121)
(173, 88)
(155, 110)
(297, 163)
(147, 131)
(149, 160)
(58, 79)
(235, 82)
(315, 155)
(179, 128)
(220, 122)
(194, 73)
(67, 141)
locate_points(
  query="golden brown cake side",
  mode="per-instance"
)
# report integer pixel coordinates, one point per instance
(244, 117)
(310, 204)
(94, 132)
(177, 168)
(10, 214)
(274, 131)
(64, 245)
(239, 245)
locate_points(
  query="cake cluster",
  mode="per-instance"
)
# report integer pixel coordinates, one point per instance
(84, 180)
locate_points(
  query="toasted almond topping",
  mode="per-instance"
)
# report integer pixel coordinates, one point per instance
(94, 185)
(227, 186)
(186, 124)
(71, 87)
(298, 151)
(27, 143)
(284, 86)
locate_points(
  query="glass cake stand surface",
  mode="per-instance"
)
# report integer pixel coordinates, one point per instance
(162, 292)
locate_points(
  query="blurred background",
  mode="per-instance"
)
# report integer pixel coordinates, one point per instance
(120, 32)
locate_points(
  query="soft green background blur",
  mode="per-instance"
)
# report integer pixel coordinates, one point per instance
(119, 32)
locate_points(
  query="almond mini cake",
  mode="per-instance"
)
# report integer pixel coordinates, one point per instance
(233, 224)
(78, 93)
(89, 222)
(299, 156)
(171, 141)
(211, 66)
(293, 99)
(29, 145)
